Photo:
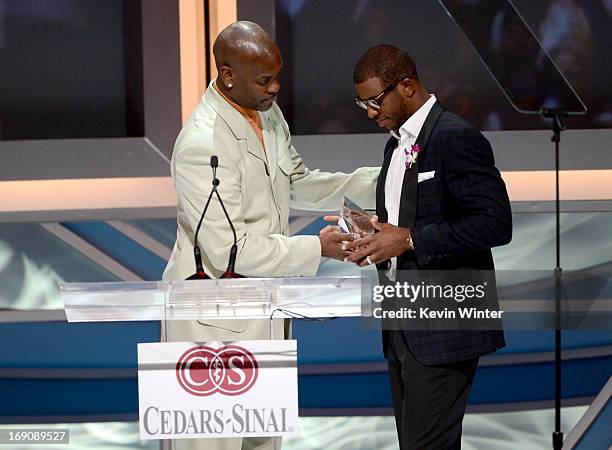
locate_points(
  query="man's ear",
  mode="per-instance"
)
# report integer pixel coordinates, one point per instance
(408, 87)
(226, 74)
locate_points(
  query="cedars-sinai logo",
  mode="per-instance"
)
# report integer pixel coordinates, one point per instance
(230, 370)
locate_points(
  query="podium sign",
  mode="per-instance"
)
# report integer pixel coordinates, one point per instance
(192, 390)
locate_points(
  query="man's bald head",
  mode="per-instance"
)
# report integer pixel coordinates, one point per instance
(248, 62)
(243, 41)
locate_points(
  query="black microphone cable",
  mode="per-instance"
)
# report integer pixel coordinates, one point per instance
(200, 274)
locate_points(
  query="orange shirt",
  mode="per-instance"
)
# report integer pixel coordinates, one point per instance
(249, 114)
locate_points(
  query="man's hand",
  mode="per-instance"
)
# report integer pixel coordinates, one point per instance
(331, 244)
(388, 242)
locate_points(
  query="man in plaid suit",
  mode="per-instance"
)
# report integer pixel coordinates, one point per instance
(441, 204)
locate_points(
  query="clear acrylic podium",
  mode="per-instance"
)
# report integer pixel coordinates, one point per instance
(211, 300)
(237, 298)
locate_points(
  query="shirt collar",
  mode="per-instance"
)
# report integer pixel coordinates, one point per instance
(249, 114)
(412, 126)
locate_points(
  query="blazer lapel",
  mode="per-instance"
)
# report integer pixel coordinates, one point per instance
(254, 144)
(274, 138)
(234, 120)
(381, 210)
(237, 123)
(408, 204)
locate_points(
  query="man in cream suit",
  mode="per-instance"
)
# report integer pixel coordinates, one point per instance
(261, 176)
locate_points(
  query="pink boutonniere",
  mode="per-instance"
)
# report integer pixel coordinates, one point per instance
(411, 155)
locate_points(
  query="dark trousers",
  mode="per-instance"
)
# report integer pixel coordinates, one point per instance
(429, 401)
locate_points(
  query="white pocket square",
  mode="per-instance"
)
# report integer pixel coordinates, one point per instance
(426, 175)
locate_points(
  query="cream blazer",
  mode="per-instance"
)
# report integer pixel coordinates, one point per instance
(258, 189)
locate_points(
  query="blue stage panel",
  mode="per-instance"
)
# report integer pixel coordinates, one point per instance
(352, 342)
(121, 248)
(321, 346)
(62, 397)
(599, 435)
(73, 345)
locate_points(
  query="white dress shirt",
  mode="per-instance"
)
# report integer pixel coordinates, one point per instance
(409, 131)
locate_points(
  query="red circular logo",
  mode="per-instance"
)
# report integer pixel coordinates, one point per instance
(230, 370)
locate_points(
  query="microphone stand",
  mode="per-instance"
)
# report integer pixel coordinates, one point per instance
(230, 271)
(197, 254)
(557, 117)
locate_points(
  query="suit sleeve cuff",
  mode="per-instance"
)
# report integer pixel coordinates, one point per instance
(427, 244)
(309, 255)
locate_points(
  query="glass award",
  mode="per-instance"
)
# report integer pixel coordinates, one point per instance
(353, 219)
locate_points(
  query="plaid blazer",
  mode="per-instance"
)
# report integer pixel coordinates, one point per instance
(455, 217)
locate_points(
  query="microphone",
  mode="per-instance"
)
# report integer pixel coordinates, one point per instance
(214, 163)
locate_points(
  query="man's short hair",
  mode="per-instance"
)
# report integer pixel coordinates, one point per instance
(386, 62)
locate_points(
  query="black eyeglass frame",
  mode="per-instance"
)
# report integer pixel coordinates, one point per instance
(374, 102)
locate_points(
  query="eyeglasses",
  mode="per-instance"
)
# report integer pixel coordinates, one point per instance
(374, 102)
